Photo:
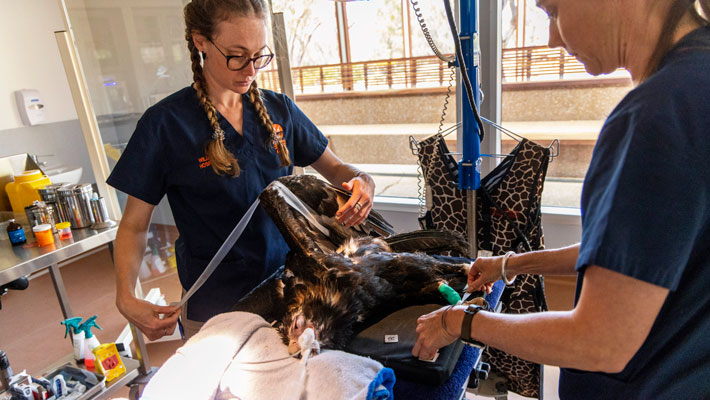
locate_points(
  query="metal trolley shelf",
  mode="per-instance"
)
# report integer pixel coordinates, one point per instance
(19, 261)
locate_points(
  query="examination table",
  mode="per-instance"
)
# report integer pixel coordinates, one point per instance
(218, 362)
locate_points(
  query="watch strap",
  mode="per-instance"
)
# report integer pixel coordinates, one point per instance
(469, 313)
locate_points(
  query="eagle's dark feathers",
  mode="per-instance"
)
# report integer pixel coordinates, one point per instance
(337, 279)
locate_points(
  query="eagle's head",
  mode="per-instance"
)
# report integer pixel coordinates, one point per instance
(329, 309)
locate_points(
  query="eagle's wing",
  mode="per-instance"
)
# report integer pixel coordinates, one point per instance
(303, 207)
(374, 222)
(429, 241)
(300, 225)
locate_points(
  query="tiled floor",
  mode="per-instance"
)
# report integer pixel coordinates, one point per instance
(32, 337)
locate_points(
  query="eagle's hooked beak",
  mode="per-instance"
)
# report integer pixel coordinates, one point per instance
(298, 326)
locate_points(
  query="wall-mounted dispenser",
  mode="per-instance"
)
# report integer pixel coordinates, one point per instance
(30, 106)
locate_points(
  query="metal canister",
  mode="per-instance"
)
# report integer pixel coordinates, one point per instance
(41, 214)
(30, 215)
(48, 193)
(65, 194)
(98, 209)
(50, 196)
(64, 189)
(76, 201)
(44, 215)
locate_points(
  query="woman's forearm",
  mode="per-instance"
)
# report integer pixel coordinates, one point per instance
(544, 262)
(606, 328)
(129, 248)
(344, 173)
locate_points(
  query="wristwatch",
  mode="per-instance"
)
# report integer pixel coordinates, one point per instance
(469, 313)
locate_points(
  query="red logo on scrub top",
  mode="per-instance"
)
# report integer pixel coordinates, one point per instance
(204, 162)
(280, 134)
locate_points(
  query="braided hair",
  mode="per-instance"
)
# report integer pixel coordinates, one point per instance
(202, 16)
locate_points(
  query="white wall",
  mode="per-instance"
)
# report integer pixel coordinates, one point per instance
(31, 60)
(58, 143)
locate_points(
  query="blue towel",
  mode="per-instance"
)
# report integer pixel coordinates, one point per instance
(381, 388)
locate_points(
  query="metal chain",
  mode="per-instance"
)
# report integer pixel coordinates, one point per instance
(421, 187)
(452, 78)
(414, 146)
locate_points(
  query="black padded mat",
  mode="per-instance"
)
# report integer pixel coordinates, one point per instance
(371, 343)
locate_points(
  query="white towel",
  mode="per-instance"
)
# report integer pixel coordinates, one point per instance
(212, 365)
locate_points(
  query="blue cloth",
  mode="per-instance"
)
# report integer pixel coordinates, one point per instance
(166, 155)
(453, 387)
(381, 388)
(646, 214)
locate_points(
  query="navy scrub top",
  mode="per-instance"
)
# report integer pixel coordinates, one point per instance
(166, 155)
(646, 214)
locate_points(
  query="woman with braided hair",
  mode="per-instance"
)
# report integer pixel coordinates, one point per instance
(212, 147)
(641, 321)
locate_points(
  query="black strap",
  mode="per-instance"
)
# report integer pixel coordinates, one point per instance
(469, 313)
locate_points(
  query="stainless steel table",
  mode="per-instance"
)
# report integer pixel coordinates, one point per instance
(19, 261)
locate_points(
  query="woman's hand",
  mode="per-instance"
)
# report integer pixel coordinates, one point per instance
(483, 273)
(128, 253)
(147, 316)
(360, 184)
(431, 334)
(358, 207)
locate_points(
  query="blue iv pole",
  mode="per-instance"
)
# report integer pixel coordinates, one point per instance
(470, 164)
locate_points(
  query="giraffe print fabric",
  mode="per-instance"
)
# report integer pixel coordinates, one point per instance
(508, 218)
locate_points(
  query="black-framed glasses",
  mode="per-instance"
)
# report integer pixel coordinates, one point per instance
(236, 63)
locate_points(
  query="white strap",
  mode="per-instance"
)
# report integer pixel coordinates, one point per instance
(221, 253)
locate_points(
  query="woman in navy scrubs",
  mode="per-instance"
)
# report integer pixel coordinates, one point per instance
(212, 148)
(641, 322)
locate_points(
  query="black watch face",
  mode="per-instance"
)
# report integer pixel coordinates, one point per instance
(472, 307)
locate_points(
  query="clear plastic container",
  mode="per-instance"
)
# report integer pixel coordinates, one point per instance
(64, 230)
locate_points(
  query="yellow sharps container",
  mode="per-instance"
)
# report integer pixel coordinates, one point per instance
(23, 191)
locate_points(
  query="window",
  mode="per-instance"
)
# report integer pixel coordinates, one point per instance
(384, 86)
(548, 95)
(365, 74)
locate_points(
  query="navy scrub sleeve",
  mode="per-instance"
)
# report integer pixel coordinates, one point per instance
(165, 155)
(143, 165)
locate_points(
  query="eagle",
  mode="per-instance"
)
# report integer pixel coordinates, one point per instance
(338, 279)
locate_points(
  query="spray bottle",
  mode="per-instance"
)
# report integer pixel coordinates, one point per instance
(91, 342)
(5, 371)
(77, 336)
